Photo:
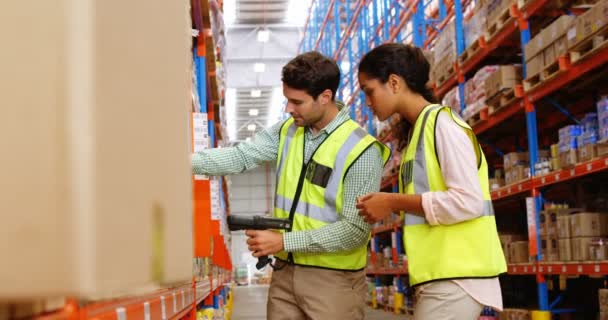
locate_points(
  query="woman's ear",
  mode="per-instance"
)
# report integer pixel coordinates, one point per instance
(395, 83)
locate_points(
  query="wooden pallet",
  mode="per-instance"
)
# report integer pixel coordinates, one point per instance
(589, 46)
(444, 77)
(499, 23)
(550, 71)
(478, 118)
(532, 82)
(501, 100)
(470, 52)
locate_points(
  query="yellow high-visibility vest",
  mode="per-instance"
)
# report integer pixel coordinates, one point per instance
(311, 194)
(469, 249)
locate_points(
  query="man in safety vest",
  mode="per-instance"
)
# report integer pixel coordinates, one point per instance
(324, 161)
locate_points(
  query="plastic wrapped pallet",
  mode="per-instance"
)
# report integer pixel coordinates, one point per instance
(602, 116)
(452, 99)
(475, 27)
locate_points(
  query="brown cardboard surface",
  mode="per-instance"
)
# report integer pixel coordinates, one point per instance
(519, 252)
(589, 224)
(565, 249)
(563, 227)
(561, 46)
(586, 153)
(549, 248)
(506, 77)
(568, 159)
(95, 140)
(514, 158)
(550, 56)
(535, 64)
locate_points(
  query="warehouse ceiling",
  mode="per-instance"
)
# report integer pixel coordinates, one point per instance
(250, 91)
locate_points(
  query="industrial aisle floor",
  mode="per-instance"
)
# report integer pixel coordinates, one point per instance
(250, 304)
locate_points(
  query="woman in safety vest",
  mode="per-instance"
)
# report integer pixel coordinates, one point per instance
(454, 253)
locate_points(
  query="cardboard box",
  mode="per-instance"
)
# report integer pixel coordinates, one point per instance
(553, 216)
(565, 249)
(581, 248)
(600, 11)
(598, 249)
(518, 251)
(584, 27)
(515, 158)
(588, 224)
(554, 150)
(549, 248)
(555, 164)
(543, 218)
(557, 29)
(534, 46)
(589, 249)
(550, 56)
(95, 148)
(568, 159)
(587, 152)
(561, 46)
(535, 65)
(563, 227)
(510, 238)
(603, 299)
(506, 77)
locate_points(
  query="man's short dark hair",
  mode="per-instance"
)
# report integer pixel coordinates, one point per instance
(313, 73)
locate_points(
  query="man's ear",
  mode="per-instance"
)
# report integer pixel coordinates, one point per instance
(325, 97)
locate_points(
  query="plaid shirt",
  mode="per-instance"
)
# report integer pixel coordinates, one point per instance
(346, 234)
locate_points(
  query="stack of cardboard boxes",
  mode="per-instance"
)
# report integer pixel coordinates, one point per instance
(498, 16)
(546, 47)
(555, 233)
(568, 145)
(516, 166)
(582, 236)
(444, 55)
(579, 35)
(503, 80)
(515, 248)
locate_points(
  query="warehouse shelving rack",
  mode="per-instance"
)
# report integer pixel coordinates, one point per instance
(210, 287)
(341, 29)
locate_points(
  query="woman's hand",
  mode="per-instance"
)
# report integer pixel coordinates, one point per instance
(374, 207)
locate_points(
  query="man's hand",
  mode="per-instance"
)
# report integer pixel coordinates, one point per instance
(374, 207)
(264, 242)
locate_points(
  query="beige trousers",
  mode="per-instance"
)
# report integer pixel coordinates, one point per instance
(303, 293)
(445, 300)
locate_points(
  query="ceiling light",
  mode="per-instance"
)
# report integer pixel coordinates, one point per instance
(263, 35)
(253, 112)
(256, 93)
(251, 127)
(259, 67)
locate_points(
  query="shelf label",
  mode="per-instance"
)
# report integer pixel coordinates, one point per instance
(519, 187)
(509, 190)
(526, 269)
(541, 269)
(572, 172)
(543, 180)
(534, 269)
(514, 269)
(557, 177)
(499, 193)
(146, 310)
(579, 269)
(564, 269)
(606, 163)
(597, 268)
(163, 308)
(550, 269)
(121, 313)
(589, 167)
(532, 218)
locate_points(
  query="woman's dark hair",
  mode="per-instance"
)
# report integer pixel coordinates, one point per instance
(405, 61)
(313, 73)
